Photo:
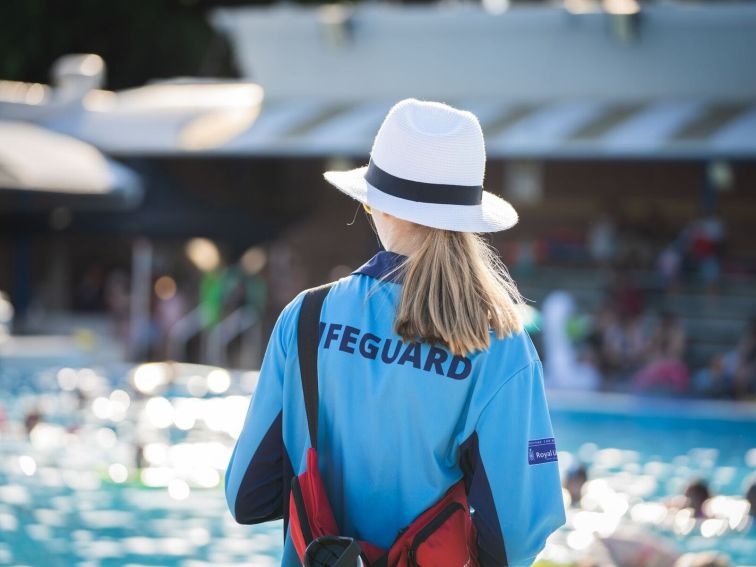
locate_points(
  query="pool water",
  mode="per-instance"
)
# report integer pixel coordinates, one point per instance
(116, 526)
(124, 468)
(648, 450)
(711, 440)
(70, 494)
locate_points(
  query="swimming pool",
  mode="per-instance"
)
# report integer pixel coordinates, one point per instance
(644, 451)
(70, 494)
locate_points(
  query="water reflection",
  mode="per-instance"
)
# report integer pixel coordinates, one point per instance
(126, 466)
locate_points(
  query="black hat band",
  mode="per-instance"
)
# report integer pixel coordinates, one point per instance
(422, 192)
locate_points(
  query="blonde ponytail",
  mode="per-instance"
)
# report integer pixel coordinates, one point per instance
(456, 290)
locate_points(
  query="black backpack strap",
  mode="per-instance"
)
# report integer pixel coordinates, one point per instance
(308, 330)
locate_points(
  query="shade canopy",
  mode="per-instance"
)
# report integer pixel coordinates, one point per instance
(675, 129)
(40, 168)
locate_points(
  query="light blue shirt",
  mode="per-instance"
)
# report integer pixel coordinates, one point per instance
(399, 423)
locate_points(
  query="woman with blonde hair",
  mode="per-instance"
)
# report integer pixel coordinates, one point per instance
(417, 397)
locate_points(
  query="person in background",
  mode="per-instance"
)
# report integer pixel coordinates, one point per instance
(744, 381)
(731, 374)
(706, 240)
(631, 546)
(118, 302)
(715, 380)
(564, 367)
(666, 369)
(668, 265)
(247, 294)
(169, 306)
(573, 482)
(625, 296)
(750, 497)
(602, 240)
(693, 498)
(622, 344)
(702, 559)
(696, 495)
(32, 419)
(89, 291)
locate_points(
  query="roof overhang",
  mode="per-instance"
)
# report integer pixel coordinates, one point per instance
(571, 129)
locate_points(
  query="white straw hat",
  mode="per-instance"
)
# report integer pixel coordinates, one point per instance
(427, 166)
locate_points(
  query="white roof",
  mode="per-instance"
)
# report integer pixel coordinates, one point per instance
(534, 52)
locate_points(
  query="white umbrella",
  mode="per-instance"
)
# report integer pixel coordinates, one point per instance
(167, 118)
(33, 159)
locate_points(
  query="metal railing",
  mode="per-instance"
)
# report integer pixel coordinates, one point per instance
(215, 340)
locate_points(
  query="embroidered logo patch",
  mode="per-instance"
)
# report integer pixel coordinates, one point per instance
(541, 451)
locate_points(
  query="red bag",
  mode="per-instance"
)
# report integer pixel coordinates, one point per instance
(310, 514)
(442, 536)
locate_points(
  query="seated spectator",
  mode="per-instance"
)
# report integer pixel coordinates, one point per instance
(745, 365)
(623, 344)
(733, 374)
(624, 296)
(716, 379)
(668, 265)
(665, 370)
(706, 237)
